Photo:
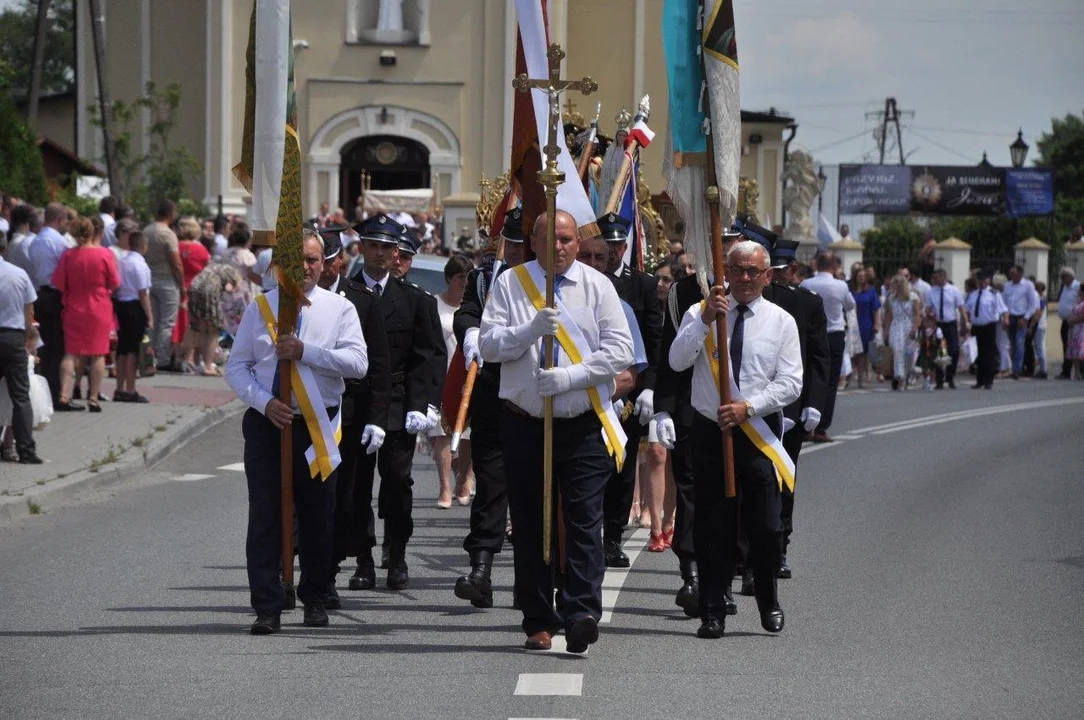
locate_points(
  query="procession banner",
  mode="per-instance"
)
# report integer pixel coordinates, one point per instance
(1029, 191)
(874, 189)
(951, 190)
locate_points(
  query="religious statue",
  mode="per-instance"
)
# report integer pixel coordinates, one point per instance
(391, 15)
(398, 22)
(801, 189)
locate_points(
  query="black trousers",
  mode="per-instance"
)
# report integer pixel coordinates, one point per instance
(989, 359)
(396, 496)
(681, 464)
(14, 372)
(581, 467)
(346, 543)
(717, 518)
(792, 443)
(836, 343)
(47, 310)
(621, 486)
(952, 342)
(1066, 364)
(314, 504)
(489, 510)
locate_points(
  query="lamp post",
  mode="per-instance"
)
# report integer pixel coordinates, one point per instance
(1018, 151)
(822, 180)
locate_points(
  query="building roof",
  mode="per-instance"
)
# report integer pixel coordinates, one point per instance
(66, 158)
(772, 116)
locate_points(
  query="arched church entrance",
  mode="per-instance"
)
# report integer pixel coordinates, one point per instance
(382, 162)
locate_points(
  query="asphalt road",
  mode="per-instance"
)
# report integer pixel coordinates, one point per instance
(939, 569)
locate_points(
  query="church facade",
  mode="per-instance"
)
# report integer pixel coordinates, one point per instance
(410, 93)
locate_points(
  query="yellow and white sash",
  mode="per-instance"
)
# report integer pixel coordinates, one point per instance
(575, 345)
(754, 428)
(323, 456)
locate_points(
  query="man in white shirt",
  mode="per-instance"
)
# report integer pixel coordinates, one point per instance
(107, 211)
(838, 301)
(1022, 302)
(986, 309)
(17, 298)
(44, 253)
(947, 303)
(1067, 297)
(766, 367)
(18, 245)
(329, 343)
(221, 242)
(512, 332)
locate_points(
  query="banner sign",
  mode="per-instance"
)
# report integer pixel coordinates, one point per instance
(945, 190)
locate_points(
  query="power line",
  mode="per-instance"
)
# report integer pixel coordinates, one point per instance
(946, 148)
(840, 142)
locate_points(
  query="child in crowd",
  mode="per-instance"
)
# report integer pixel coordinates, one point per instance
(41, 401)
(133, 308)
(931, 349)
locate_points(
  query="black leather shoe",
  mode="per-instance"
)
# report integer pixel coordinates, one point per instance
(747, 584)
(710, 630)
(30, 459)
(772, 621)
(315, 616)
(332, 601)
(784, 568)
(583, 632)
(364, 578)
(688, 597)
(398, 575)
(615, 556)
(266, 624)
(952, 385)
(728, 600)
(477, 586)
(69, 407)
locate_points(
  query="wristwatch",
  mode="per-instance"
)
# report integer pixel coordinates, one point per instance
(749, 410)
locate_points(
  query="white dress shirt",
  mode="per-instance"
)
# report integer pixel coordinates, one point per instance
(985, 306)
(18, 252)
(1021, 298)
(594, 306)
(220, 245)
(921, 287)
(770, 376)
(135, 276)
(44, 254)
(945, 300)
(16, 292)
(370, 283)
(334, 349)
(1066, 299)
(836, 296)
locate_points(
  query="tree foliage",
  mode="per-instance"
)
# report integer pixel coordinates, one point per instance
(21, 171)
(17, 26)
(1063, 150)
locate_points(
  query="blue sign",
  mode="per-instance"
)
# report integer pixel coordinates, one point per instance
(874, 189)
(1029, 191)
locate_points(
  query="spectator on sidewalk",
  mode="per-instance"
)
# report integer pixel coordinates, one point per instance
(239, 255)
(44, 253)
(133, 309)
(1038, 337)
(17, 297)
(902, 316)
(167, 278)
(867, 304)
(107, 211)
(1023, 303)
(221, 224)
(1075, 349)
(1067, 297)
(18, 237)
(86, 278)
(194, 257)
(205, 299)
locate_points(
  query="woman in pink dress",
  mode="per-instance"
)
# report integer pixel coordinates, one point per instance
(194, 257)
(86, 278)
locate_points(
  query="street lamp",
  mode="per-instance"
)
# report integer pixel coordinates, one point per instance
(822, 180)
(1019, 150)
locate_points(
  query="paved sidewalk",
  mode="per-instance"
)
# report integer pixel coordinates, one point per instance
(85, 452)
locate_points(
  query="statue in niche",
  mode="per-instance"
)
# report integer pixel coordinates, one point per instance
(802, 188)
(398, 22)
(391, 15)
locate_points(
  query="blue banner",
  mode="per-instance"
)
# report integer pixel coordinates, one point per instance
(1029, 191)
(874, 189)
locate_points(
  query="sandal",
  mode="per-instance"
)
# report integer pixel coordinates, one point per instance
(658, 543)
(668, 537)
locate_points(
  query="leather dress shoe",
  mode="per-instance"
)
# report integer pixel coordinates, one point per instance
(477, 586)
(747, 585)
(364, 578)
(541, 640)
(30, 458)
(332, 601)
(784, 568)
(315, 616)
(583, 632)
(266, 624)
(728, 601)
(398, 574)
(710, 630)
(614, 555)
(688, 597)
(822, 437)
(772, 621)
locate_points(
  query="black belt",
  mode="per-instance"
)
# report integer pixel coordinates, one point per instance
(398, 378)
(47, 288)
(330, 411)
(21, 331)
(517, 410)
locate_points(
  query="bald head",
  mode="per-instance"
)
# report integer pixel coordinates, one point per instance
(566, 245)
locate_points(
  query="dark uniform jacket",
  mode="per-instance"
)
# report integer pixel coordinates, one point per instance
(640, 291)
(673, 390)
(439, 366)
(411, 349)
(469, 315)
(365, 401)
(807, 309)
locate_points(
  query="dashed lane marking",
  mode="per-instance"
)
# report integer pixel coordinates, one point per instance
(192, 477)
(550, 684)
(615, 578)
(235, 467)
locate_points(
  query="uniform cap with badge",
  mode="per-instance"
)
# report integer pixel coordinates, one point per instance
(512, 230)
(614, 228)
(380, 228)
(409, 243)
(333, 241)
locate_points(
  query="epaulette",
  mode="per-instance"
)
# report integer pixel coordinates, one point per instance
(806, 290)
(407, 284)
(358, 286)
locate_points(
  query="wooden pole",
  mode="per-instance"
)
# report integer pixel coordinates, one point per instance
(104, 108)
(36, 66)
(287, 325)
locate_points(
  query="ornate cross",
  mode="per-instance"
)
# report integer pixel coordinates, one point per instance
(553, 87)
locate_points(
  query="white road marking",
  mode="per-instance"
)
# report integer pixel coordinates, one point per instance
(236, 467)
(192, 477)
(845, 437)
(615, 578)
(550, 684)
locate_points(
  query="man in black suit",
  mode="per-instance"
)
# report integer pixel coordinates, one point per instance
(364, 404)
(410, 348)
(639, 291)
(673, 419)
(489, 509)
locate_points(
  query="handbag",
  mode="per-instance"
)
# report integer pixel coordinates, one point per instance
(883, 361)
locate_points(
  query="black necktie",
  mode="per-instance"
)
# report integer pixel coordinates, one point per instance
(737, 340)
(376, 289)
(943, 318)
(978, 304)
(276, 385)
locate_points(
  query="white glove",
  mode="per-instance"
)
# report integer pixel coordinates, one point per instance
(645, 406)
(665, 430)
(811, 418)
(416, 422)
(471, 352)
(432, 417)
(544, 323)
(619, 407)
(788, 425)
(554, 381)
(372, 437)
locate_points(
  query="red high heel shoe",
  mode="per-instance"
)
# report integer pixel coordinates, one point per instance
(657, 544)
(668, 537)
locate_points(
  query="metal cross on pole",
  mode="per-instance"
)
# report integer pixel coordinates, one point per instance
(551, 178)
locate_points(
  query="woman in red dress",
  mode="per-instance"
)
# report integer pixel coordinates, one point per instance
(194, 257)
(86, 277)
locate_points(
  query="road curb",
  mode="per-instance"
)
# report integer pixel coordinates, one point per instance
(130, 462)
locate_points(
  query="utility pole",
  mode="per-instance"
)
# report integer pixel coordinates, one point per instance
(36, 64)
(889, 116)
(97, 20)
